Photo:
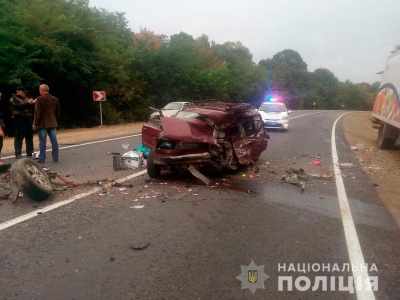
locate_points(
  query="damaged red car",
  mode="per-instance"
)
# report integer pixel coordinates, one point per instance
(206, 133)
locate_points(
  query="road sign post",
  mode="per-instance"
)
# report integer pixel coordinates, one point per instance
(100, 96)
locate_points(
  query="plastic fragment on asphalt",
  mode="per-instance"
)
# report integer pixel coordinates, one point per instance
(139, 248)
(316, 162)
(321, 176)
(346, 165)
(137, 206)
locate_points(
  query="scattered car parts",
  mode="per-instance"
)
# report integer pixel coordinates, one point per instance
(31, 179)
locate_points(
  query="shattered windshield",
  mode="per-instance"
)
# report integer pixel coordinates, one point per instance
(186, 115)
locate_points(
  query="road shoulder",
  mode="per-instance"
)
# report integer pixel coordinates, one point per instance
(381, 166)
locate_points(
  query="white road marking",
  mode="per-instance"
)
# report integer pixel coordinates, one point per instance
(313, 113)
(48, 208)
(88, 143)
(353, 244)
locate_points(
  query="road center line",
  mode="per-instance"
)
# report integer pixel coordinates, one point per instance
(48, 208)
(353, 244)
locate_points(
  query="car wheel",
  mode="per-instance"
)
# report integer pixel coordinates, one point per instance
(152, 169)
(31, 179)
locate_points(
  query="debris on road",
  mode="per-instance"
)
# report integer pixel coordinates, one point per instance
(299, 177)
(131, 159)
(197, 174)
(31, 178)
(321, 176)
(357, 147)
(139, 248)
(292, 178)
(316, 155)
(316, 162)
(138, 206)
(346, 165)
(117, 184)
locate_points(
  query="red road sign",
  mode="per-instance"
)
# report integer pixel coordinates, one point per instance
(99, 96)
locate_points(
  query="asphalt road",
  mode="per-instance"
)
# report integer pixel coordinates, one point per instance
(200, 239)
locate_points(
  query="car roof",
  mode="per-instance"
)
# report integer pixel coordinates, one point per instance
(274, 103)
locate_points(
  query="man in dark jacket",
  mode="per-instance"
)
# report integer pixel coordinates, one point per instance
(22, 112)
(47, 110)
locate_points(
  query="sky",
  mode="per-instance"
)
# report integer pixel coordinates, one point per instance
(351, 38)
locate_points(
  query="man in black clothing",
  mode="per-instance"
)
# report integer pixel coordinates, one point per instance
(22, 112)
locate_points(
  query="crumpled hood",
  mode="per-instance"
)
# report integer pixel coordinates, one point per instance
(187, 130)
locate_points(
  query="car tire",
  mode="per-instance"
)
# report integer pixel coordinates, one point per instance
(31, 179)
(153, 170)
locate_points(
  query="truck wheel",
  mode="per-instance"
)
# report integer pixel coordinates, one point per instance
(152, 169)
(31, 179)
(384, 142)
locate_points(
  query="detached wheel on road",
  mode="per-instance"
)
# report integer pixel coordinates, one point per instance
(31, 179)
(152, 169)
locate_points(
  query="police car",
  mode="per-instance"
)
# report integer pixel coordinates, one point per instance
(275, 114)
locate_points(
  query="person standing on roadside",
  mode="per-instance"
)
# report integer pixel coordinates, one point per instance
(47, 110)
(22, 113)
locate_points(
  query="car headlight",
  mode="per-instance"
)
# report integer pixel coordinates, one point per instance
(285, 117)
(165, 145)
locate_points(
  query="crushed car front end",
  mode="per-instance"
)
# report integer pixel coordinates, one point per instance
(207, 133)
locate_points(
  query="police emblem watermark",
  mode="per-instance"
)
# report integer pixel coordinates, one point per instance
(252, 277)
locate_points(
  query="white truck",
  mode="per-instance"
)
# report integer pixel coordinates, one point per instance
(387, 104)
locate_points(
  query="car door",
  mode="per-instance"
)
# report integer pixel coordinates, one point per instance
(152, 128)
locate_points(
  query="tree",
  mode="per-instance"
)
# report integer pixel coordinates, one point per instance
(291, 59)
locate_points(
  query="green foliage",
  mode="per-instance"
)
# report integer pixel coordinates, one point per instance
(76, 50)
